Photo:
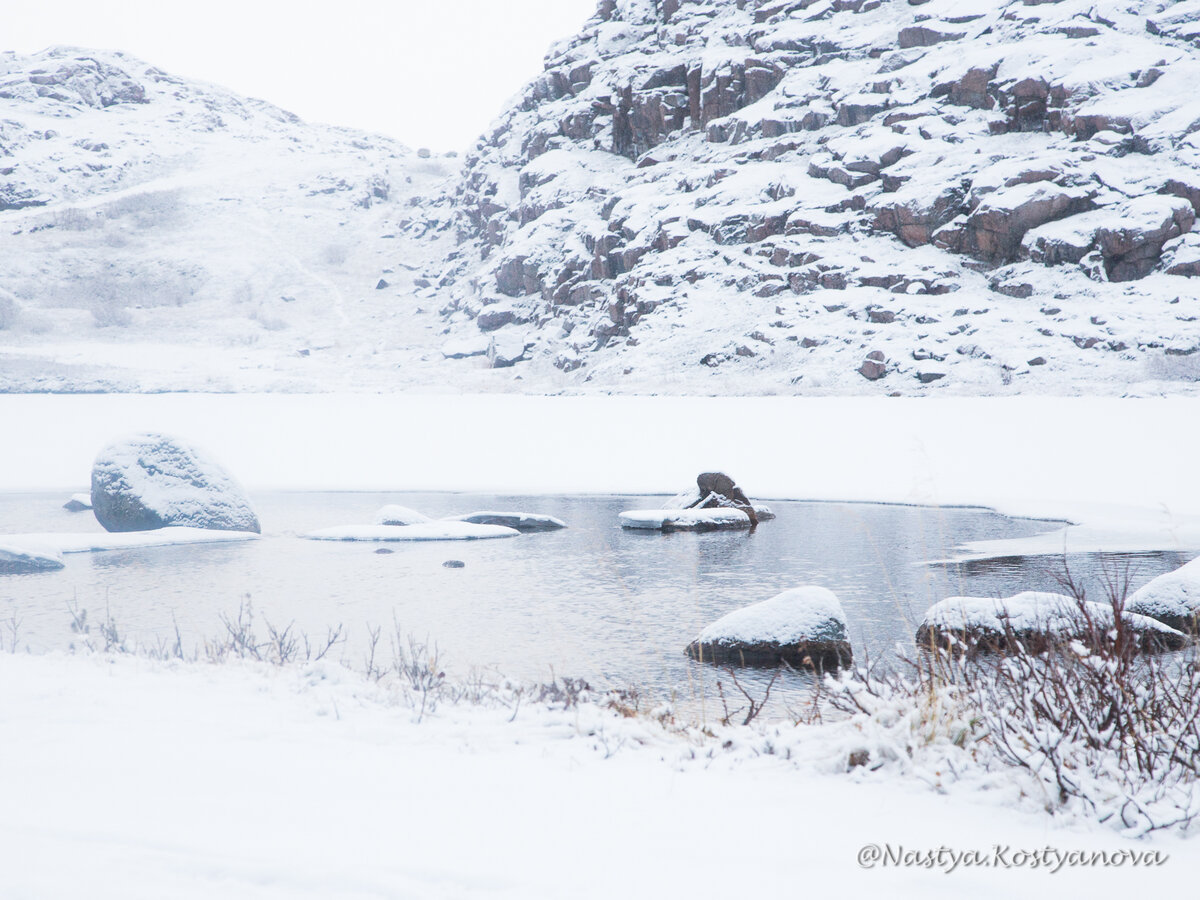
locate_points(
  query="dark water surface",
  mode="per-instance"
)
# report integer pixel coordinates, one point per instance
(613, 606)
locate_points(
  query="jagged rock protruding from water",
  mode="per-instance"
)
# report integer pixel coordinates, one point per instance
(149, 481)
(804, 627)
(1172, 598)
(17, 560)
(717, 490)
(78, 503)
(1037, 621)
(518, 520)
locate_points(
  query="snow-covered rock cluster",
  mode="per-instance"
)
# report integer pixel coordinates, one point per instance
(1036, 620)
(845, 196)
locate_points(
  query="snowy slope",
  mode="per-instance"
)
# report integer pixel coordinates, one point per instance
(157, 233)
(846, 196)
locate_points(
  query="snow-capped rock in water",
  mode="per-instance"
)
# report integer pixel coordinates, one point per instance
(518, 520)
(18, 559)
(1173, 598)
(394, 514)
(161, 233)
(1036, 620)
(719, 519)
(804, 627)
(78, 503)
(715, 490)
(756, 196)
(428, 531)
(150, 481)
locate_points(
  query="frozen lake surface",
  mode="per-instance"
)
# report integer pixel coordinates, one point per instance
(613, 606)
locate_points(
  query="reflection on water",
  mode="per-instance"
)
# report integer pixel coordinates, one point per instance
(612, 606)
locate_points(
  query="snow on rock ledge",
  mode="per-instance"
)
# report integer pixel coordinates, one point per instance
(430, 531)
(720, 519)
(803, 627)
(394, 514)
(1173, 598)
(16, 559)
(150, 481)
(518, 520)
(1035, 620)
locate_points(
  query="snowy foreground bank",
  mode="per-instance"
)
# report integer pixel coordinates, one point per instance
(135, 779)
(1120, 467)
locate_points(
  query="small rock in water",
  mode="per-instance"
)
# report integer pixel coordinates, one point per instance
(78, 503)
(454, 564)
(517, 520)
(399, 515)
(384, 550)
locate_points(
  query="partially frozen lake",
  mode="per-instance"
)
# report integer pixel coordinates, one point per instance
(613, 606)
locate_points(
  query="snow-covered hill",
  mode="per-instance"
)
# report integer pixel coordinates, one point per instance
(696, 196)
(162, 234)
(846, 196)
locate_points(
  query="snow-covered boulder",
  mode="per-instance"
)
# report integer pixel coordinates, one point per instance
(78, 503)
(394, 514)
(1173, 598)
(804, 627)
(149, 481)
(721, 519)
(429, 531)
(518, 520)
(17, 559)
(1036, 620)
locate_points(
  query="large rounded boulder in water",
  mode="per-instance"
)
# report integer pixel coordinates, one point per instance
(150, 481)
(804, 628)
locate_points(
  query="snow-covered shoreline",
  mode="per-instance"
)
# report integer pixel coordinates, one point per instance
(1117, 467)
(252, 781)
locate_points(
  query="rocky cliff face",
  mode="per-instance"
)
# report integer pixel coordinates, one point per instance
(844, 195)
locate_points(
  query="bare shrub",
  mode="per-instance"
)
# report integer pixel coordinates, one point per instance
(280, 647)
(1103, 728)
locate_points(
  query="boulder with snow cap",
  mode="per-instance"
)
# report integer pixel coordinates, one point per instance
(804, 627)
(1173, 599)
(1036, 621)
(149, 481)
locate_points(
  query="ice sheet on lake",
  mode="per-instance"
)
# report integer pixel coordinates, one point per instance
(68, 542)
(432, 531)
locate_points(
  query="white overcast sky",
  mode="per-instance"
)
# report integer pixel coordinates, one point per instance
(431, 73)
